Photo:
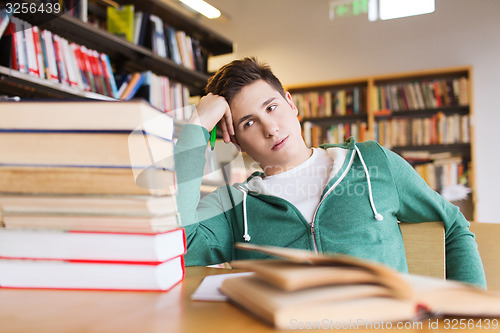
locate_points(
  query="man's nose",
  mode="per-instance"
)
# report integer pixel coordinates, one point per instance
(270, 127)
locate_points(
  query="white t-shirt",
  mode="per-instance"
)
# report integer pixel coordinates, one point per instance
(303, 185)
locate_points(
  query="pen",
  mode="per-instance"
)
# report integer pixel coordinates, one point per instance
(213, 134)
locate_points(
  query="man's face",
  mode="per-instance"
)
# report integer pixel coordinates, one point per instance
(267, 128)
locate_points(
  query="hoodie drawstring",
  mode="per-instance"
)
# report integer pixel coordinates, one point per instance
(243, 190)
(246, 235)
(378, 216)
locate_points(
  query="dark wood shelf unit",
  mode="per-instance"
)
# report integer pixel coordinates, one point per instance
(423, 113)
(213, 42)
(126, 55)
(462, 149)
(350, 118)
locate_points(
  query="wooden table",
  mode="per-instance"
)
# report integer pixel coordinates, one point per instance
(53, 311)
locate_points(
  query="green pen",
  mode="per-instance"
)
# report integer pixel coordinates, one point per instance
(213, 135)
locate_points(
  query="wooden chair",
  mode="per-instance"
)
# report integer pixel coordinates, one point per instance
(425, 248)
(488, 241)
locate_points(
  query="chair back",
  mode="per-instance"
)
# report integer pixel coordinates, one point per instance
(425, 248)
(488, 241)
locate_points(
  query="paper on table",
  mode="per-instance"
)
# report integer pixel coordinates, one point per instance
(208, 290)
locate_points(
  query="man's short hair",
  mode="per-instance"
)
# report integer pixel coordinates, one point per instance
(236, 75)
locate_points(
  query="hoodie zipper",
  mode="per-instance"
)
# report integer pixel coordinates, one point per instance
(337, 182)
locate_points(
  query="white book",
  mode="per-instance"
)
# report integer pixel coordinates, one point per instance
(92, 246)
(58, 274)
(30, 49)
(51, 56)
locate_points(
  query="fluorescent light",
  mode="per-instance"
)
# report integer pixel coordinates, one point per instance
(203, 8)
(390, 9)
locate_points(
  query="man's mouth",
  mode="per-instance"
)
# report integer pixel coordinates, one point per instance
(280, 144)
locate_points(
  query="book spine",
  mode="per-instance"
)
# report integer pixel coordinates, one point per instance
(39, 52)
(51, 56)
(21, 55)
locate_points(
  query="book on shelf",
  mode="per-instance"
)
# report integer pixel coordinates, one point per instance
(90, 275)
(4, 20)
(131, 86)
(75, 8)
(422, 94)
(41, 53)
(442, 173)
(19, 43)
(120, 21)
(8, 44)
(315, 135)
(138, 22)
(92, 245)
(302, 286)
(340, 102)
(417, 131)
(159, 43)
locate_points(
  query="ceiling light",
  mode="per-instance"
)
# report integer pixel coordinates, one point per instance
(390, 9)
(203, 8)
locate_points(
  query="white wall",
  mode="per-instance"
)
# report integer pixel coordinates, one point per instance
(302, 45)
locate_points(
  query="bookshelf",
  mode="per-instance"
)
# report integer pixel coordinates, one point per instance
(333, 110)
(124, 55)
(425, 116)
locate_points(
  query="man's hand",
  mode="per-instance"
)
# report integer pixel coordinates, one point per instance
(213, 109)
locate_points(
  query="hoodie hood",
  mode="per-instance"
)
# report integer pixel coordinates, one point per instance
(350, 145)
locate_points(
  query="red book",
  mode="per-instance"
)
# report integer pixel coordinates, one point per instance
(97, 72)
(437, 93)
(38, 51)
(10, 32)
(87, 67)
(81, 65)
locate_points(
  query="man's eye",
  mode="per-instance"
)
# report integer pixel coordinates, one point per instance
(271, 107)
(248, 124)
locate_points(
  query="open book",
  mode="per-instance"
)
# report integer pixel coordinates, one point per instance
(305, 287)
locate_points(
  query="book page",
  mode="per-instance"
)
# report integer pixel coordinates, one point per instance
(208, 290)
(384, 275)
(447, 297)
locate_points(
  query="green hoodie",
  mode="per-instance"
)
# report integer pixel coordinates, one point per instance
(357, 215)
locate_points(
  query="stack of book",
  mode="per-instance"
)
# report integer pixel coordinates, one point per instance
(87, 197)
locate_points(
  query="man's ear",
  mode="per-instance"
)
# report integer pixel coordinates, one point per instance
(236, 143)
(289, 100)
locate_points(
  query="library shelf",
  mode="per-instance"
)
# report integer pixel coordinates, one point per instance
(13, 81)
(124, 55)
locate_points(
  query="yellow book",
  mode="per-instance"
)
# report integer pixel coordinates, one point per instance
(120, 21)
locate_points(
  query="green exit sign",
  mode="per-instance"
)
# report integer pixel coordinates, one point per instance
(343, 8)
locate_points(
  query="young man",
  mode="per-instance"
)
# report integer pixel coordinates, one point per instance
(345, 198)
